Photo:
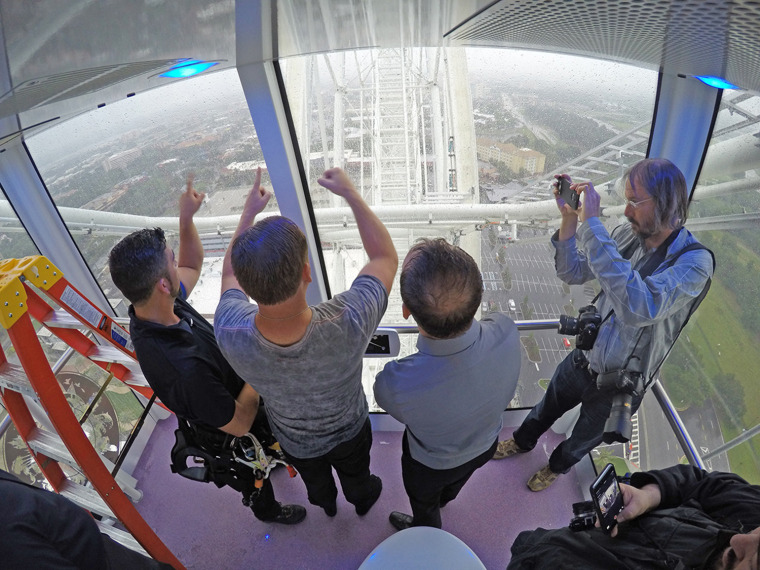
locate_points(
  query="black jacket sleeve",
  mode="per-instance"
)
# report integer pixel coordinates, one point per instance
(725, 497)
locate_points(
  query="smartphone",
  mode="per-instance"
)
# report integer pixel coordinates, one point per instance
(568, 195)
(607, 498)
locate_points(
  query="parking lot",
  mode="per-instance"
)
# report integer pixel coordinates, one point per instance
(532, 285)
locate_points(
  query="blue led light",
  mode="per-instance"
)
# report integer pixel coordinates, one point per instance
(188, 68)
(266, 537)
(717, 82)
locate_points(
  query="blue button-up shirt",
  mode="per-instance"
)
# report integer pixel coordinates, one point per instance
(452, 392)
(647, 313)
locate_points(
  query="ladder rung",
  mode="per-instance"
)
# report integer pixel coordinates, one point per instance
(13, 377)
(107, 353)
(52, 446)
(135, 377)
(86, 498)
(121, 536)
(62, 320)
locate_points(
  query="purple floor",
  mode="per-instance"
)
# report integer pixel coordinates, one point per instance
(207, 527)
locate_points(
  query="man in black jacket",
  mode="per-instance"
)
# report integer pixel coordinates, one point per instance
(40, 529)
(680, 517)
(180, 358)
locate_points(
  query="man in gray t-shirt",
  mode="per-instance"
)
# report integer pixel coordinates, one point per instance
(452, 392)
(306, 362)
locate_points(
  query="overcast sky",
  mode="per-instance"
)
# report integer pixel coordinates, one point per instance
(552, 70)
(211, 92)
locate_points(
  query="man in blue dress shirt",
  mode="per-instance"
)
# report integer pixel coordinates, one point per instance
(452, 392)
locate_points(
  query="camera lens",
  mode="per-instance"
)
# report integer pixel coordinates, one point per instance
(618, 427)
(568, 325)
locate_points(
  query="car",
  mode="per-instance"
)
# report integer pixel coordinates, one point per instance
(512, 306)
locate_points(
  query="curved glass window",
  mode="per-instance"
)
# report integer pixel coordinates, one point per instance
(107, 421)
(463, 143)
(710, 375)
(125, 165)
(14, 244)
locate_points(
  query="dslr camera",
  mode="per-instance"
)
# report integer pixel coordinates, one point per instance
(585, 327)
(626, 384)
(584, 516)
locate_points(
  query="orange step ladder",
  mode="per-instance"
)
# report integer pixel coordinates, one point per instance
(19, 302)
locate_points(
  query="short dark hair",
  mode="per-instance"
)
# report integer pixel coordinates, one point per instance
(441, 286)
(268, 260)
(137, 262)
(665, 183)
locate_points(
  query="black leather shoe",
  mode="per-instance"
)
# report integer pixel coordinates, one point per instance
(290, 514)
(400, 521)
(376, 485)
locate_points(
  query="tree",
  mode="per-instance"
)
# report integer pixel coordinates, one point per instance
(506, 278)
(493, 234)
(501, 255)
(527, 311)
(531, 347)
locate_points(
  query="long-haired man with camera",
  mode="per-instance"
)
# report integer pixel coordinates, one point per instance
(652, 273)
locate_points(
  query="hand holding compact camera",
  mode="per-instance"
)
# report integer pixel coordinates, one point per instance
(571, 197)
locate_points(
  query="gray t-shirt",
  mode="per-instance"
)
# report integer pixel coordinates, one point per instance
(312, 389)
(452, 392)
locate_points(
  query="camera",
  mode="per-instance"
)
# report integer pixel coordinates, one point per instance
(585, 327)
(569, 196)
(584, 516)
(626, 383)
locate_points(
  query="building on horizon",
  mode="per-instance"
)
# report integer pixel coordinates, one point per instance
(517, 159)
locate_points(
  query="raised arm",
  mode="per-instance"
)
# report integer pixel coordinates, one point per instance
(569, 220)
(383, 259)
(190, 259)
(256, 201)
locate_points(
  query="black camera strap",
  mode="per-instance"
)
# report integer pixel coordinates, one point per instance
(654, 261)
(697, 301)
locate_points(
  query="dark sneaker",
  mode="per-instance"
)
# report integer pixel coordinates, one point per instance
(542, 479)
(290, 514)
(400, 521)
(507, 448)
(376, 485)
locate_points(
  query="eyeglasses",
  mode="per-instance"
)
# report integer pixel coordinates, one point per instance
(636, 203)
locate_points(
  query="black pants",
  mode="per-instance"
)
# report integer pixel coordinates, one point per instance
(350, 461)
(242, 479)
(572, 384)
(430, 489)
